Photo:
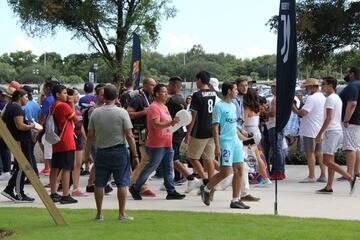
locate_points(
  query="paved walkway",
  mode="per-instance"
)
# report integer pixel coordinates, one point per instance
(294, 199)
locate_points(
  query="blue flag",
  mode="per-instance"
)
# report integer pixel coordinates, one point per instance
(286, 62)
(135, 66)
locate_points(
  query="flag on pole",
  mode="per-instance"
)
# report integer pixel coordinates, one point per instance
(135, 66)
(286, 62)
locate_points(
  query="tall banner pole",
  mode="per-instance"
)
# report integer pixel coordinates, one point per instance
(135, 66)
(286, 73)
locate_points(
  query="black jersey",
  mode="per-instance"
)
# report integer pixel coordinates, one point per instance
(203, 102)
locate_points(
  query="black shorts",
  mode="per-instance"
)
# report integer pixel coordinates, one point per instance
(63, 160)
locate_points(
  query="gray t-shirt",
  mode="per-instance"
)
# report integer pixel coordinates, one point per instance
(109, 123)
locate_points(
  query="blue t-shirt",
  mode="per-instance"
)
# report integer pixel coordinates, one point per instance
(48, 101)
(32, 111)
(225, 114)
(88, 99)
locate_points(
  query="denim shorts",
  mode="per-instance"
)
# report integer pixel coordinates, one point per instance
(114, 160)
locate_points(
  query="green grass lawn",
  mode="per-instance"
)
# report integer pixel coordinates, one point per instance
(36, 224)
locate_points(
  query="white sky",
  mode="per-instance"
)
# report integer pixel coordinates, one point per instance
(230, 26)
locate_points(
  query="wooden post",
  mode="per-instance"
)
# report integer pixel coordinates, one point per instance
(27, 168)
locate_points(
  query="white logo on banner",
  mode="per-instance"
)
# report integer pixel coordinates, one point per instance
(286, 31)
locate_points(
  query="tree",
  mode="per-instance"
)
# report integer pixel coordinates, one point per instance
(102, 23)
(325, 26)
(7, 72)
(19, 59)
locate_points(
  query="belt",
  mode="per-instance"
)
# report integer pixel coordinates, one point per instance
(115, 146)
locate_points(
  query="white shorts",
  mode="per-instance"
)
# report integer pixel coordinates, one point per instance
(47, 148)
(332, 141)
(352, 138)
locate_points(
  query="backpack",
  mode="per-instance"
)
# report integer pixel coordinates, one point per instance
(86, 119)
(51, 130)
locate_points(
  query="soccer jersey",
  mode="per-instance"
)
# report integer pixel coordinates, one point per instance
(225, 114)
(202, 103)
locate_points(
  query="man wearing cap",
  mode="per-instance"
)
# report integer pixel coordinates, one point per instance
(312, 114)
(45, 106)
(214, 85)
(350, 97)
(89, 97)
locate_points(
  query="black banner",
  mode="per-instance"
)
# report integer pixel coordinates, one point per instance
(286, 62)
(135, 66)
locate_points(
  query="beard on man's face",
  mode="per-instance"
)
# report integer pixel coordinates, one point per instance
(347, 78)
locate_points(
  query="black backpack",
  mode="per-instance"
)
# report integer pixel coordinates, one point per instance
(86, 118)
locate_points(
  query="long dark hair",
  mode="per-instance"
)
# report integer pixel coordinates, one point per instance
(251, 100)
(18, 94)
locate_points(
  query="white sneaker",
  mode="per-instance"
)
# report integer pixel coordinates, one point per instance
(5, 176)
(125, 218)
(225, 183)
(308, 180)
(192, 184)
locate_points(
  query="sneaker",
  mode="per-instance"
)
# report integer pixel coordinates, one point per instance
(264, 183)
(321, 179)
(353, 185)
(341, 178)
(45, 172)
(113, 183)
(90, 189)
(24, 198)
(308, 180)
(9, 194)
(55, 197)
(279, 176)
(148, 193)
(5, 176)
(78, 193)
(108, 189)
(175, 196)
(180, 182)
(125, 218)
(99, 218)
(67, 200)
(239, 205)
(249, 198)
(324, 191)
(135, 194)
(192, 184)
(212, 191)
(205, 196)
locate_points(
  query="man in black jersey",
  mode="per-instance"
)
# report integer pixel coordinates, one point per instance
(199, 135)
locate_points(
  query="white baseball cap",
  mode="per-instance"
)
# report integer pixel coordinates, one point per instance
(215, 83)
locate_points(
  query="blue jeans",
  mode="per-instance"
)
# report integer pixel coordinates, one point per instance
(157, 156)
(280, 154)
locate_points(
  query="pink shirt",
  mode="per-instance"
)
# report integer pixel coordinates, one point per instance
(158, 138)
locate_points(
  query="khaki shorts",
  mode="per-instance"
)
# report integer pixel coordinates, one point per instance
(309, 145)
(201, 149)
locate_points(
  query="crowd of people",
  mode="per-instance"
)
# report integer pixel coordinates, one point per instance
(122, 138)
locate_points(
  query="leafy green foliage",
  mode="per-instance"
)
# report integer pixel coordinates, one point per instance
(106, 25)
(325, 26)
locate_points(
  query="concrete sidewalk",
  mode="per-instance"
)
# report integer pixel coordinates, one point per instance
(294, 199)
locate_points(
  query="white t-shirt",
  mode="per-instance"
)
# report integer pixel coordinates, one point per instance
(311, 123)
(334, 102)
